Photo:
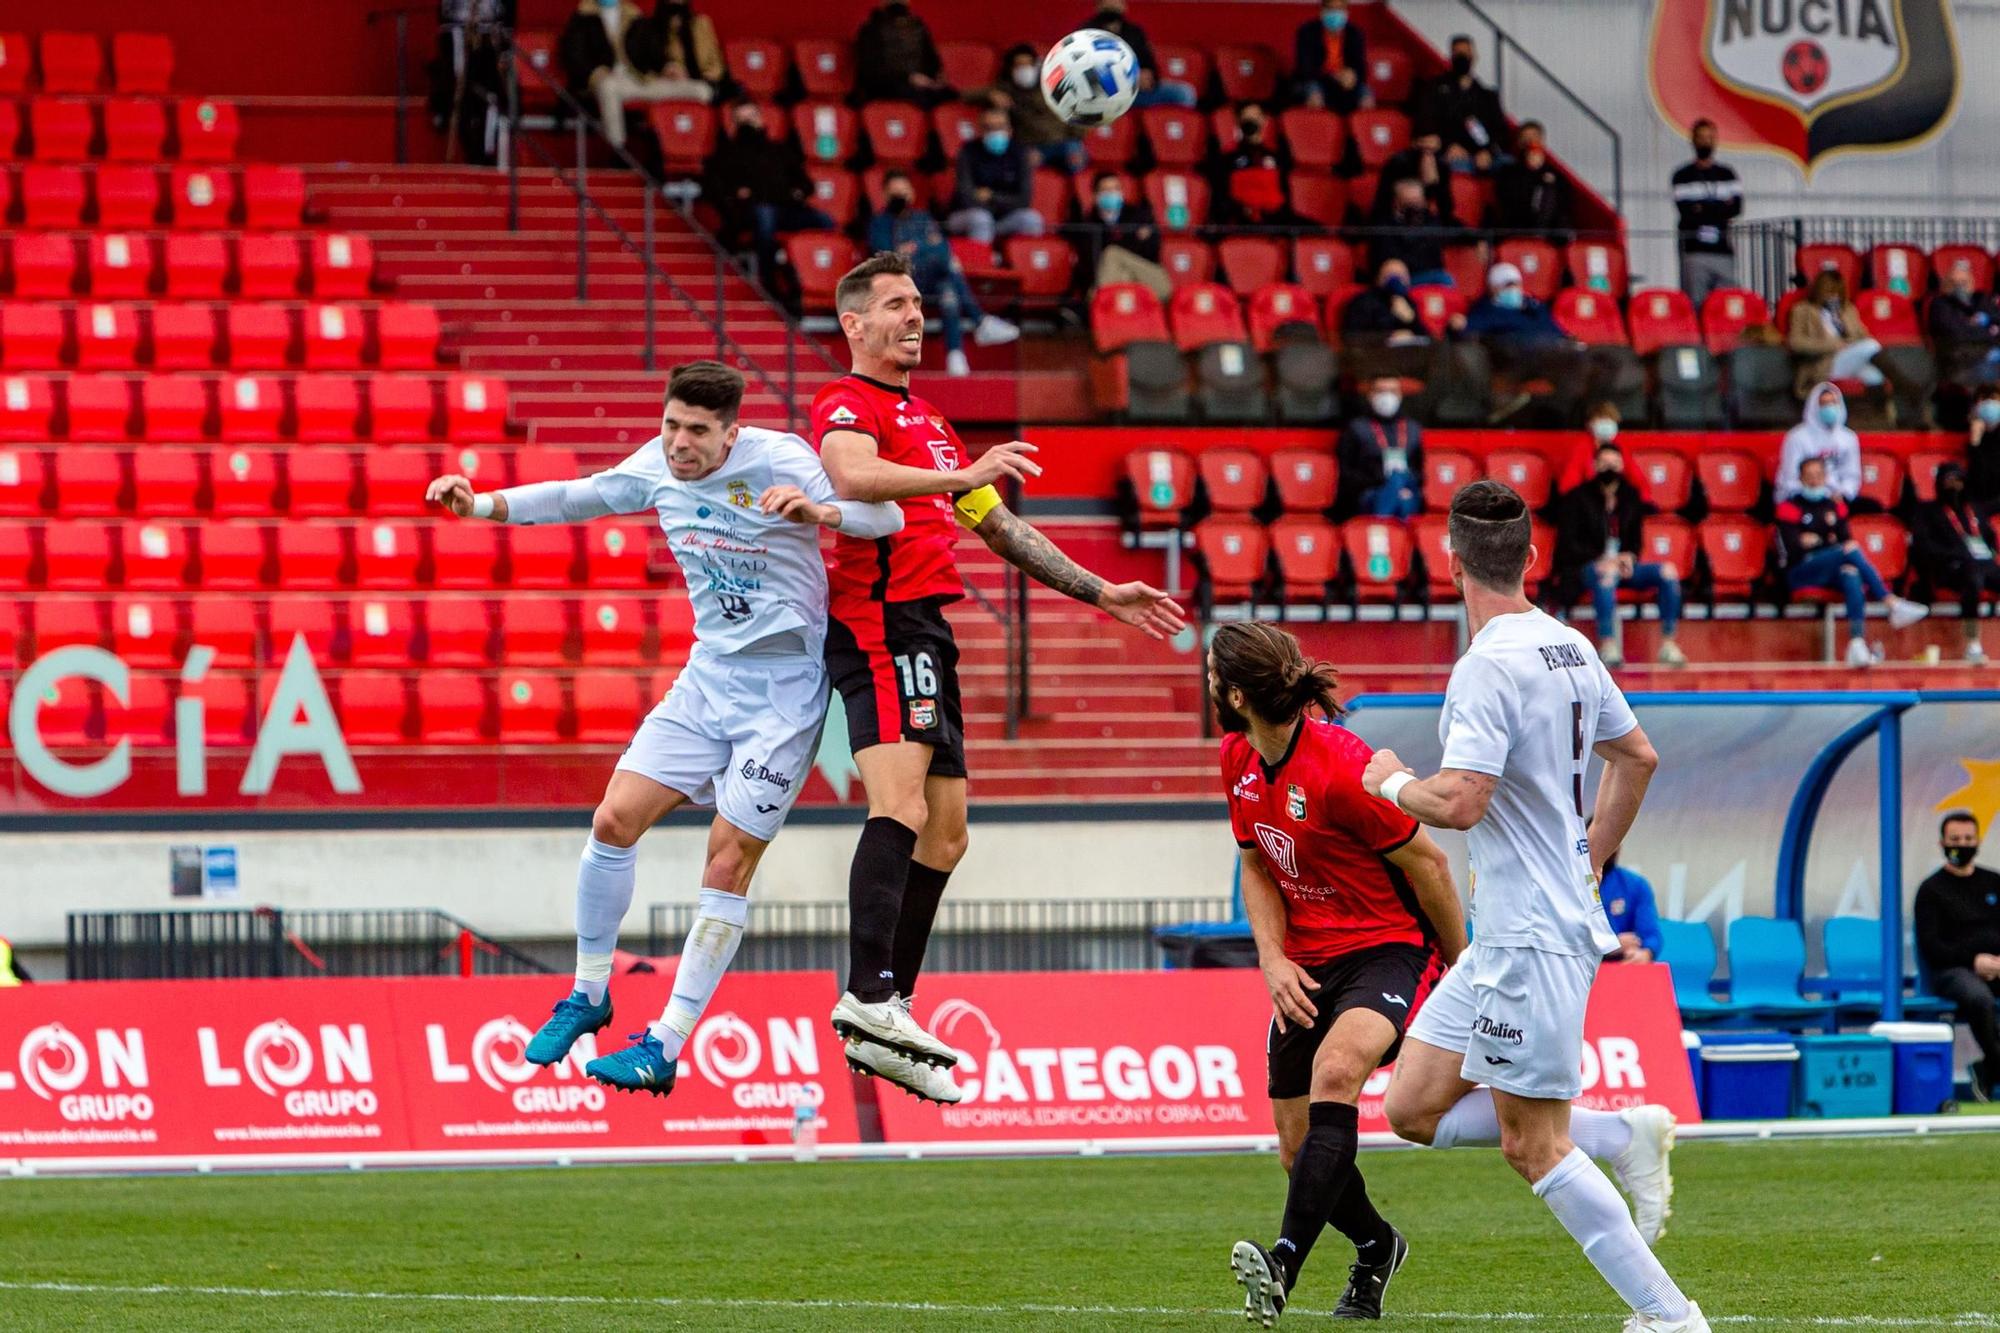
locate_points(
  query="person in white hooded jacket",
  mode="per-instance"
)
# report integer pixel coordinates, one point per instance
(1822, 433)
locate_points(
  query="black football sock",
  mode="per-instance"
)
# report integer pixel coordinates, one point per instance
(1354, 1217)
(874, 901)
(1320, 1172)
(921, 895)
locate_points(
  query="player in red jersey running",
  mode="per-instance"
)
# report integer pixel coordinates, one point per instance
(1354, 914)
(890, 653)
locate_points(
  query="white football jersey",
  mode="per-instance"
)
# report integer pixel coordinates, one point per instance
(1526, 704)
(750, 575)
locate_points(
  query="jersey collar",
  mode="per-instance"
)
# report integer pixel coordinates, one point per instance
(902, 391)
(1271, 770)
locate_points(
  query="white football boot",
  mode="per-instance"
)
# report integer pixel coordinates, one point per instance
(927, 1082)
(890, 1024)
(1643, 1170)
(1696, 1322)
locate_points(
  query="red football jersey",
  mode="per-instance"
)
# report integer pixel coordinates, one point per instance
(1324, 841)
(916, 562)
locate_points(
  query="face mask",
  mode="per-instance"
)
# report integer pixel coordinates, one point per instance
(1509, 298)
(1607, 476)
(1831, 414)
(1111, 203)
(1334, 19)
(996, 141)
(1989, 411)
(1950, 491)
(1703, 152)
(1604, 430)
(1024, 76)
(1396, 286)
(1251, 128)
(1813, 493)
(1961, 856)
(1385, 402)
(898, 205)
(1461, 65)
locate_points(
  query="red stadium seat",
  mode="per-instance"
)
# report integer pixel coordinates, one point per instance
(1887, 543)
(89, 483)
(1667, 476)
(1467, 266)
(393, 482)
(373, 707)
(381, 631)
(17, 553)
(1282, 308)
(534, 631)
(1250, 262)
(460, 633)
(676, 615)
(23, 478)
(475, 408)
(61, 623)
(1390, 74)
(820, 258)
(44, 265)
(613, 631)
(128, 196)
(156, 555)
(609, 706)
(1666, 540)
(244, 484)
(1379, 552)
(1737, 549)
(1598, 266)
(196, 265)
(451, 709)
(1322, 264)
(1731, 478)
(1436, 305)
(1590, 317)
(828, 132)
(1043, 265)
(540, 463)
(464, 555)
(166, 483)
(1233, 553)
(120, 264)
(329, 409)
(1662, 317)
(686, 131)
(226, 624)
(62, 128)
(1526, 471)
(260, 337)
(15, 60)
(835, 192)
(1815, 258)
(1539, 262)
(67, 712)
(968, 65)
(107, 337)
(268, 266)
(1183, 64)
(406, 335)
(1112, 146)
(141, 62)
(1881, 475)
(1247, 73)
(977, 258)
(1317, 137)
(617, 554)
(135, 129)
(1308, 555)
(333, 335)
(53, 196)
(487, 468)
(1305, 478)
(1891, 318)
(1188, 260)
(31, 336)
(145, 631)
(183, 337)
(310, 556)
(10, 135)
(100, 408)
(1233, 479)
(1318, 197)
(1122, 313)
(1430, 535)
(386, 555)
(1162, 484)
(1945, 256)
(1445, 472)
(202, 198)
(531, 707)
(402, 409)
(898, 132)
(759, 66)
(293, 617)
(72, 62)
(232, 556)
(1899, 269)
(27, 409)
(1379, 136)
(250, 408)
(1923, 471)
(1205, 314)
(826, 66)
(273, 196)
(1726, 313)
(541, 557)
(1179, 199)
(1179, 135)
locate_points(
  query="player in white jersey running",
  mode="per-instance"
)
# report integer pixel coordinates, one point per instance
(742, 509)
(1527, 706)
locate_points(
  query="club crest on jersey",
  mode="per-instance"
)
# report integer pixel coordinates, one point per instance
(1246, 788)
(1284, 853)
(841, 416)
(739, 494)
(923, 714)
(946, 454)
(1295, 802)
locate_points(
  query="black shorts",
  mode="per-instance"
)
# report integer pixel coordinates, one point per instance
(1385, 978)
(896, 667)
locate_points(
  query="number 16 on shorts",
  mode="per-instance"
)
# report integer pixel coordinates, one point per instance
(916, 675)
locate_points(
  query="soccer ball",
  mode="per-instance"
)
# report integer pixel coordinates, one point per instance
(1090, 77)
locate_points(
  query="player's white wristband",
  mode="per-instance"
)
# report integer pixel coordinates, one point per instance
(482, 506)
(1392, 789)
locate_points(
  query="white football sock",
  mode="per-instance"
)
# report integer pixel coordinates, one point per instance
(1593, 1212)
(1472, 1122)
(1602, 1134)
(711, 943)
(604, 880)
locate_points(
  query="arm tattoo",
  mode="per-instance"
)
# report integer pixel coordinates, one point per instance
(1016, 541)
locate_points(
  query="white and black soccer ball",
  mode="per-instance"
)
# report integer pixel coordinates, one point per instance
(1090, 77)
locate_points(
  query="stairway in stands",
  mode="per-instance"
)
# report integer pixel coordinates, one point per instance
(1114, 716)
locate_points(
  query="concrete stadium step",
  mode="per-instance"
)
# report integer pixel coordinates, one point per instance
(991, 783)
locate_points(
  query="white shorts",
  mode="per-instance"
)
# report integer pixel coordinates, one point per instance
(737, 733)
(1517, 1014)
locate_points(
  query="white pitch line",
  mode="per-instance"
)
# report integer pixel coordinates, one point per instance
(1960, 1321)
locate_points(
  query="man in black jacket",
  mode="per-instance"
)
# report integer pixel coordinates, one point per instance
(1415, 232)
(1330, 60)
(1531, 194)
(1382, 330)
(1119, 240)
(1463, 112)
(760, 184)
(1381, 458)
(1953, 547)
(896, 60)
(1819, 551)
(1965, 328)
(1958, 939)
(1599, 539)
(1708, 197)
(1422, 161)
(1153, 90)
(995, 183)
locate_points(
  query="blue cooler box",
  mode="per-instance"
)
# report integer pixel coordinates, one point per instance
(1921, 1053)
(1845, 1077)
(1747, 1075)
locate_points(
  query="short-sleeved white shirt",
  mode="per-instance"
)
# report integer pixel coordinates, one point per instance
(1526, 704)
(750, 575)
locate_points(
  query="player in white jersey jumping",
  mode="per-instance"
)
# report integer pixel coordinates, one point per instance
(742, 509)
(1527, 706)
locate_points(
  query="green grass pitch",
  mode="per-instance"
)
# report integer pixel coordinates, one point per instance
(1777, 1235)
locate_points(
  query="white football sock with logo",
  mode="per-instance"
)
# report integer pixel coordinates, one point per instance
(604, 881)
(1474, 1123)
(711, 944)
(1593, 1212)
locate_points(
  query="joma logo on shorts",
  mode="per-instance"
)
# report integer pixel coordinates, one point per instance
(756, 772)
(1506, 1032)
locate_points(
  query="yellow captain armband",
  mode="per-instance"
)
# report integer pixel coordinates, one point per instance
(973, 506)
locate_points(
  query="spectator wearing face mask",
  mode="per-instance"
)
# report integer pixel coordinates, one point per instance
(1123, 236)
(614, 54)
(1822, 433)
(759, 184)
(1384, 315)
(1330, 61)
(1049, 141)
(1531, 196)
(1965, 328)
(1708, 197)
(1414, 233)
(995, 181)
(1957, 920)
(1422, 161)
(1251, 179)
(1952, 546)
(1826, 333)
(1982, 447)
(911, 231)
(1522, 338)
(1598, 543)
(1600, 427)
(895, 59)
(1464, 113)
(1153, 90)
(1381, 458)
(1818, 551)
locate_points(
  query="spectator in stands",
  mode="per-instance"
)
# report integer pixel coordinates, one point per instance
(615, 54)
(1965, 328)
(1523, 338)
(1421, 161)
(12, 973)
(1124, 238)
(1153, 90)
(911, 231)
(1822, 433)
(1952, 545)
(692, 53)
(759, 184)
(895, 59)
(1957, 931)
(1982, 447)
(1330, 60)
(1250, 181)
(1384, 315)
(1634, 915)
(1463, 112)
(1531, 194)
(1818, 551)
(995, 182)
(1708, 198)
(1826, 333)
(1050, 142)
(1381, 458)
(1415, 233)
(1600, 428)
(1598, 544)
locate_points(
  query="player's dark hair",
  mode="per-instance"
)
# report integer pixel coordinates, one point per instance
(707, 384)
(1958, 817)
(851, 293)
(1489, 529)
(1277, 679)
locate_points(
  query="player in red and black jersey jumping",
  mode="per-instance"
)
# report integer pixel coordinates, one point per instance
(890, 653)
(1354, 915)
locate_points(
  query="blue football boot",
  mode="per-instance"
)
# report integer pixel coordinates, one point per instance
(572, 1017)
(640, 1067)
